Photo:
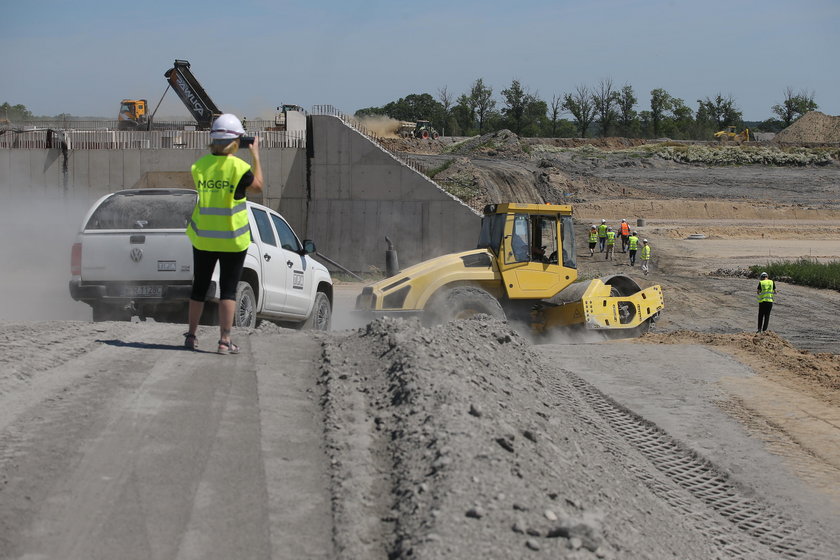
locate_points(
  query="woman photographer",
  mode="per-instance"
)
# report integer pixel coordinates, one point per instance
(218, 228)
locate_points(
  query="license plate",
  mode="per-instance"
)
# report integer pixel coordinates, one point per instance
(142, 291)
(166, 266)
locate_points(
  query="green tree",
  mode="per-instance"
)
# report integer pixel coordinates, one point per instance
(464, 114)
(719, 112)
(445, 98)
(14, 113)
(605, 99)
(554, 110)
(794, 105)
(680, 122)
(660, 102)
(579, 103)
(627, 116)
(524, 112)
(645, 119)
(481, 97)
(516, 103)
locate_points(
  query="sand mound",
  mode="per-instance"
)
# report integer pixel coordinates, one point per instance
(812, 127)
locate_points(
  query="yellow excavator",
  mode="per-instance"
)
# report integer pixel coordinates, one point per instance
(729, 135)
(524, 269)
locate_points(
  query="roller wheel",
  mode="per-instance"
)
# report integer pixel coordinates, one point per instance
(462, 302)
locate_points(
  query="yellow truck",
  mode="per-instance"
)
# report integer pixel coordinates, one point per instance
(524, 269)
(132, 114)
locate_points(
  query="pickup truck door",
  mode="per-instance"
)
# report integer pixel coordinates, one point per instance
(275, 273)
(299, 294)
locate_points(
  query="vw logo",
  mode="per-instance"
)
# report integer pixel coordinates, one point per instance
(136, 254)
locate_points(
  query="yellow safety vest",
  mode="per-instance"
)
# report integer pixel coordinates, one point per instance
(593, 236)
(610, 238)
(767, 288)
(634, 242)
(602, 230)
(646, 253)
(218, 222)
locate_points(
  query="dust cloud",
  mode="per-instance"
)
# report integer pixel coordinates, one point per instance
(382, 126)
(40, 231)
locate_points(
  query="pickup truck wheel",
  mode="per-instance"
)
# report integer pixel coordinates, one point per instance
(106, 312)
(460, 303)
(321, 317)
(245, 314)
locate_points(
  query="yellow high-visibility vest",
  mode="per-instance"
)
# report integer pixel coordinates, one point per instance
(593, 236)
(768, 288)
(634, 242)
(646, 253)
(218, 222)
(610, 238)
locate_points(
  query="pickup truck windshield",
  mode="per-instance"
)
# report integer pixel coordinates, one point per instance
(144, 210)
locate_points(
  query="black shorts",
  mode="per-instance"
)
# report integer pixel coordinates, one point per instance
(230, 271)
(592, 244)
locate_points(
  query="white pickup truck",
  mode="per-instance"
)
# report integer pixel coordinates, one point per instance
(132, 257)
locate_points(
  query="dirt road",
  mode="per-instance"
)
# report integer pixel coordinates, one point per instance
(116, 443)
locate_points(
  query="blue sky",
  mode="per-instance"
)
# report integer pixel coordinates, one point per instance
(82, 57)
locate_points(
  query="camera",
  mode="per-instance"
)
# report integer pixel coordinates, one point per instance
(245, 141)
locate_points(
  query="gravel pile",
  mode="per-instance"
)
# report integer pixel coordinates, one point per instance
(812, 127)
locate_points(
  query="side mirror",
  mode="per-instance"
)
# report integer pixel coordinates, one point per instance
(308, 247)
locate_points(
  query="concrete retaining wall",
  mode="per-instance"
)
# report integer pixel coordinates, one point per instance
(349, 197)
(359, 193)
(89, 174)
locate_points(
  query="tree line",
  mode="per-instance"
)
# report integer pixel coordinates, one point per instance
(602, 109)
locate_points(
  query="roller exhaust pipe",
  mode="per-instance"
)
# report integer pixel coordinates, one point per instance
(392, 264)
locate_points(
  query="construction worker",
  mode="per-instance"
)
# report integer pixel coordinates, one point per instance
(766, 290)
(602, 235)
(610, 243)
(633, 246)
(624, 232)
(593, 239)
(645, 256)
(218, 228)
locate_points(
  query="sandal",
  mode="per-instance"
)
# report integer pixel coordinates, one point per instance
(190, 341)
(227, 348)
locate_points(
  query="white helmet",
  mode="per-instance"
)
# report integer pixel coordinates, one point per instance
(603, 221)
(763, 275)
(644, 240)
(226, 127)
(623, 220)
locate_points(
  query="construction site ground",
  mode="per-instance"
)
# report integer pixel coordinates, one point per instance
(384, 439)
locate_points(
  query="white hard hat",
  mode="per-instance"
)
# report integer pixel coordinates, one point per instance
(644, 240)
(603, 221)
(763, 275)
(623, 220)
(609, 228)
(593, 226)
(226, 127)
